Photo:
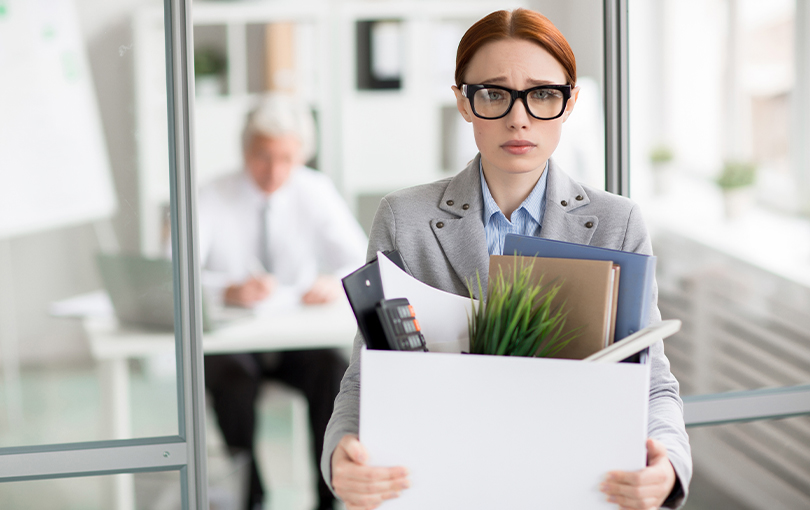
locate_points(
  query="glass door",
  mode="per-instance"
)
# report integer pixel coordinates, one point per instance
(100, 337)
(718, 102)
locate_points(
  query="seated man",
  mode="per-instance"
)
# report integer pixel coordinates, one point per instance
(275, 224)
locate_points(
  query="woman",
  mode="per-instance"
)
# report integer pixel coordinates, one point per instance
(516, 84)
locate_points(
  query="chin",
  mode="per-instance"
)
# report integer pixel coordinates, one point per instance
(518, 165)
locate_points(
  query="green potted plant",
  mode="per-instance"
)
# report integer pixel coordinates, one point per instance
(210, 67)
(518, 317)
(736, 180)
(661, 157)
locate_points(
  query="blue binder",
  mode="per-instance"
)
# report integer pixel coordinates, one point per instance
(635, 279)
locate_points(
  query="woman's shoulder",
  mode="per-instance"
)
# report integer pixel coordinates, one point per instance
(420, 198)
(604, 200)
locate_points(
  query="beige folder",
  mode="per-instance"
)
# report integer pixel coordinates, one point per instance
(590, 289)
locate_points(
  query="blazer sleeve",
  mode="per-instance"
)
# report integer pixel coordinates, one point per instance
(666, 407)
(346, 414)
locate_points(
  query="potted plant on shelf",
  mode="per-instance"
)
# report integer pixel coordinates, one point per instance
(209, 72)
(737, 182)
(518, 317)
(661, 160)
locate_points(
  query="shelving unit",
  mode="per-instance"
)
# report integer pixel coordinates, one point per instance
(396, 138)
(371, 142)
(238, 30)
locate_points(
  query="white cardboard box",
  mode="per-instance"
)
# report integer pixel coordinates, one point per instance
(495, 432)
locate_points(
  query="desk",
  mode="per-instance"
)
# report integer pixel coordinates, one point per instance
(113, 345)
(300, 327)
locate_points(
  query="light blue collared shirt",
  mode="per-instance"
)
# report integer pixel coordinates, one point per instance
(526, 220)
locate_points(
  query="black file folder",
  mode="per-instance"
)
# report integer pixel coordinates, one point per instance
(364, 290)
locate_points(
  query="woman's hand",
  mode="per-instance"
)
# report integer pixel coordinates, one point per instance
(363, 487)
(645, 489)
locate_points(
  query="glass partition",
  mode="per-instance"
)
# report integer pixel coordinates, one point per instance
(718, 123)
(87, 312)
(98, 323)
(154, 491)
(718, 158)
(749, 466)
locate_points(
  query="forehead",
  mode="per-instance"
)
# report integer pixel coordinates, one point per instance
(515, 62)
(277, 143)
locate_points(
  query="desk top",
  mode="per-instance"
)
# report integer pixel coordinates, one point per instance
(297, 327)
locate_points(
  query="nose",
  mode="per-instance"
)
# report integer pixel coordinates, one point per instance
(518, 117)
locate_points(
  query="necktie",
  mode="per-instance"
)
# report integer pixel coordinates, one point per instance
(264, 236)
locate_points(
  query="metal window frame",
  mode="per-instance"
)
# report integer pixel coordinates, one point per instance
(801, 103)
(740, 406)
(186, 451)
(617, 112)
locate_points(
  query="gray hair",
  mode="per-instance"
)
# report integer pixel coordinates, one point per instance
(281, 115)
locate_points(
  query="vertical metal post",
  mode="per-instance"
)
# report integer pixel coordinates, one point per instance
(800, 142)
(188, 312)
(617, 117)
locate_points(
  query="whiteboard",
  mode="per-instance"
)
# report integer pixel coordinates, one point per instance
(54, 167)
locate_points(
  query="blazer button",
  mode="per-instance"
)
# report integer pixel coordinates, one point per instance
(589, 224)
(564, 203)
(450, 202)
(439, 224)
(465, 206)
(579, 197)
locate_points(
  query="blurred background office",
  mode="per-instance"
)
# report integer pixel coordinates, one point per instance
(719, 160)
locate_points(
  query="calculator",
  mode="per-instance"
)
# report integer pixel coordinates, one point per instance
(400, 326)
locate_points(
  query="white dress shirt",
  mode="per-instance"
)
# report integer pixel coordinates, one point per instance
(310, 231)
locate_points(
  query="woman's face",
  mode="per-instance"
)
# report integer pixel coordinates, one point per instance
(517, 143)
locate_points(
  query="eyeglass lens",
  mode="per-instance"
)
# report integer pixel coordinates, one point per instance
(542, 102)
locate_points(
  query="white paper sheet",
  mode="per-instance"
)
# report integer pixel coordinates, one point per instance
(486, 432)
(443, 316)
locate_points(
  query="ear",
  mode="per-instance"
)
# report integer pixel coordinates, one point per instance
(462, 104)
(569, 108)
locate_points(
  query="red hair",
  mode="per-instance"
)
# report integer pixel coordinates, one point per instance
(518, 24)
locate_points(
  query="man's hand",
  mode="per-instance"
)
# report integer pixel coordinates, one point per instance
(359, 486)
(251, 291)
(646, 489)
(325, 289)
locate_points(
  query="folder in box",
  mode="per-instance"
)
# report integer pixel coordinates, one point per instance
(635, 282)
(589, 289)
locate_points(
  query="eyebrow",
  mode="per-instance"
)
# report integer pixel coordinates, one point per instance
(501, 79)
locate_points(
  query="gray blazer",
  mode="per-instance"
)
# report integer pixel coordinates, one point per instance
(438, 228)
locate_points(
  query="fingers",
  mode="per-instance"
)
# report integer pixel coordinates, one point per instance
(353, 449)
(361, 486)
(251, 291)
(656, 452)
(633, 496)
(324, 290)
(644, 489)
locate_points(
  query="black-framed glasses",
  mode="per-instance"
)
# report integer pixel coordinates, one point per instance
(491, 102)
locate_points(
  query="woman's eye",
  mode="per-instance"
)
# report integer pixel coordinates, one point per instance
(545, 94)
(494, 95)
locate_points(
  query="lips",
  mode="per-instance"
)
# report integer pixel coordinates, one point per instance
(518, 147)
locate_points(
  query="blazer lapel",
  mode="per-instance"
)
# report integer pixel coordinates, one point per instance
(558, 221)
(462, 238)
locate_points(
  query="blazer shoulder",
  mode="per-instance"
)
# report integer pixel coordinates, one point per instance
(421, 198)
(601, 200)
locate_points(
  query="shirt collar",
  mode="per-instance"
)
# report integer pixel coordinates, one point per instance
(257, 195)
(532, 205)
